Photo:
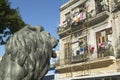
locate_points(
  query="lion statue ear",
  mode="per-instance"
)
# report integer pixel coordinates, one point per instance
(36, 28)
(40, 28)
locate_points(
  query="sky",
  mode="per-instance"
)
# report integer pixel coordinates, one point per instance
(39, 12)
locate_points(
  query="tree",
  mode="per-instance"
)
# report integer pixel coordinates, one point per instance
(9, 18)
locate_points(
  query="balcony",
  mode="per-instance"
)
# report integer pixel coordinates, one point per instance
(98, 63)
(100, 17)
(82, 24)
(80, 61)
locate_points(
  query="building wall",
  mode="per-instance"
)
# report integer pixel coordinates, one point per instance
(116, 31)
(104, 68)
(90, 8)
(111, 22)
(61, 52)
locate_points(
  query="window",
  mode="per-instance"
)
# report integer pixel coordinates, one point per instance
(68, 19)
(80, 51)
(75, 10)
(103, 35)
(67, 51)
(103, 39)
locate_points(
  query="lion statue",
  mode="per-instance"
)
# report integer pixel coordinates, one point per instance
(27, 55)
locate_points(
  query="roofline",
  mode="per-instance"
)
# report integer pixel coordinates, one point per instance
(69, 3)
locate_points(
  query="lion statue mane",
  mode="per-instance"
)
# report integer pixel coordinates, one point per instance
(27, 54)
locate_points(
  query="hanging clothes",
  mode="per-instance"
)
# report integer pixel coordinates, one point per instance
(81, 16)
(64, 22)
(92, 49)
(102, 44)
(84, 15)
(81, 50)
(76, 19)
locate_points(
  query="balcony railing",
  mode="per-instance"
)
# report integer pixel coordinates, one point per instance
(80, 58)
(103, 51)
(86, 65)
(90, 21)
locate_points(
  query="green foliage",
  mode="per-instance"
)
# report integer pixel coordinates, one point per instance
(9, 17)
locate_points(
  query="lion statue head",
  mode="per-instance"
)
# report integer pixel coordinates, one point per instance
(27, 55)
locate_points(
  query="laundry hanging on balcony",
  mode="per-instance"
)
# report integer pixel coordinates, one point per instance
(81, 50)
(102, 44)
(64, 22)
(78, 17)
(82, 15)
(92, 49)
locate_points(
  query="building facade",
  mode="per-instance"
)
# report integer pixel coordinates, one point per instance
(89, 34)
